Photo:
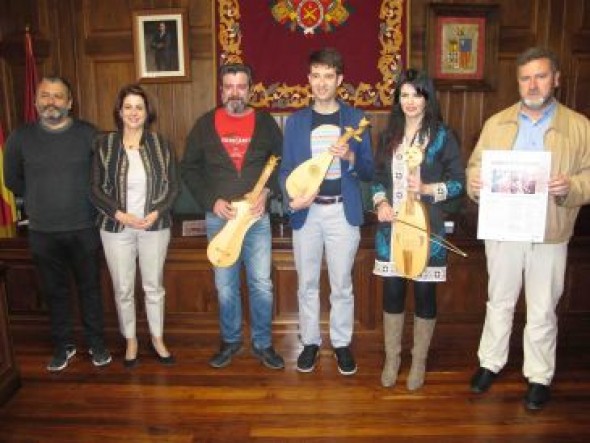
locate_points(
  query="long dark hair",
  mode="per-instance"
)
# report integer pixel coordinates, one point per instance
(393, 134)
(134, 89)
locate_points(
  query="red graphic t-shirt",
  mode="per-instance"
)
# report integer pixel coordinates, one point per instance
(235, 133)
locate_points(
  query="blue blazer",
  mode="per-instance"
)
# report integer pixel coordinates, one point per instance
(297, 149)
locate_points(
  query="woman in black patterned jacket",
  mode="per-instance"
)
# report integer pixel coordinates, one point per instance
(134, 184)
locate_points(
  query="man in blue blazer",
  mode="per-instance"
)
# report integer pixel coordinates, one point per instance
(331, 217)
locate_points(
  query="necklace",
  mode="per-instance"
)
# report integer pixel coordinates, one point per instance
(131, 142)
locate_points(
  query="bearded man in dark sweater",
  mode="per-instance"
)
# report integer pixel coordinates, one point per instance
(48, 163)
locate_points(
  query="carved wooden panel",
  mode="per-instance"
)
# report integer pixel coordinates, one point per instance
(580, 84)
(106, 16)
(577, 281)
(22, 280)
(9, 374)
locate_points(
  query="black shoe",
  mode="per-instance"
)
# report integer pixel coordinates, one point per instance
(168, 360)
(346, 363)
(130, 362)
(225, 354)
(536, 396)
(307, 359)
(61, 358)
(482, 380)
(100, 356)
(269, 357)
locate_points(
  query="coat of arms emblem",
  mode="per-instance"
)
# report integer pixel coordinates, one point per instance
(311, 15)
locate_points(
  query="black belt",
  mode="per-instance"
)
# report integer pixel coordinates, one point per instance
(327, 200)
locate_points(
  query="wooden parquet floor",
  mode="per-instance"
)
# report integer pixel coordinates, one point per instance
(191, 402)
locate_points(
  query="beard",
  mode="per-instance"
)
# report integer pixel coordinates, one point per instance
(235, 105)
(52, 115)
(537, 103)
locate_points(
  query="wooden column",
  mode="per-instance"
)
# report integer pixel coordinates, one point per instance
(9, 375)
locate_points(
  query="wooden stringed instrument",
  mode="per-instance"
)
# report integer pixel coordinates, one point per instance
(305, 179)
(410, 239)
(224, 249)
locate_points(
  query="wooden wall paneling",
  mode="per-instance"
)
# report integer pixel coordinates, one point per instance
(109, 76)
(578, 281)
(576, 50)
(579, 84)
(189, 101)
(519, 25)
(201, 15)
(285, 287)
(188, 279)
(9, 373)
(164, 95)
(364, 297)
(106, 17)
(506, 93)
(108, 299)
(22, 280)
(524, 15)
(464, 293)
(23, 291)
(378, 125)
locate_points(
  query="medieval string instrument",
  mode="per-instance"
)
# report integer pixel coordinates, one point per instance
(305, 179)
(411, 236)
(224, 249)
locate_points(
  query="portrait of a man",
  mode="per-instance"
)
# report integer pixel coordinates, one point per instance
(161, 48)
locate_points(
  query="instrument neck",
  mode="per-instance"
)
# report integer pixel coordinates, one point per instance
(259, 186)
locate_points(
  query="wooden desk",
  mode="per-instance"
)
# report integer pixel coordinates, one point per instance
(191, 301)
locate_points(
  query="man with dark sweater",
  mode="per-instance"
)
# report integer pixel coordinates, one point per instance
(48, 163)
(226, 152)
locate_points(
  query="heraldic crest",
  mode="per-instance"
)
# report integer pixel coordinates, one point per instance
(310, 15)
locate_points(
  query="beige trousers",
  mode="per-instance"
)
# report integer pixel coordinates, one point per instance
(122, 250)
(542, 266)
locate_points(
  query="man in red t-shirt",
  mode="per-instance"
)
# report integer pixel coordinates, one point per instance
(226, 152)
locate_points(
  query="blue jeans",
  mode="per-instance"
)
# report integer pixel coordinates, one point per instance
(256, 257)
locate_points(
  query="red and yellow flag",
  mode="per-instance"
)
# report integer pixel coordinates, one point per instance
(7, 206)
(30, 80)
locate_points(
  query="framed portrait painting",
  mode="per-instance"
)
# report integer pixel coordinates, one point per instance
(160, 40)
(462, 46)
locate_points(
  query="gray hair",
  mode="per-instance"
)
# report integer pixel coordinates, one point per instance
(536, 53)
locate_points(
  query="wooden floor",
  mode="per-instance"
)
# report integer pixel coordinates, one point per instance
(191, 402)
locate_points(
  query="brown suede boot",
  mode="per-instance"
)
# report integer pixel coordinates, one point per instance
(393, 325)
(423, 329)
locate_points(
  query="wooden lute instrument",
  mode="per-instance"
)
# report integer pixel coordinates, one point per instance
(305, 179)
(410, 239)
(224, 249)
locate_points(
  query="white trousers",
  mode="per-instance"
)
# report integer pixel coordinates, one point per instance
(543, 268)
(325, 226)
(121, 250)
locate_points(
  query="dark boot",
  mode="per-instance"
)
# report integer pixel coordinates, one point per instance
(393, 325)
(423, 329)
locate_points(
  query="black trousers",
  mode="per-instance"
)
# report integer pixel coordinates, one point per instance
(57, 256)
(394, 297)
